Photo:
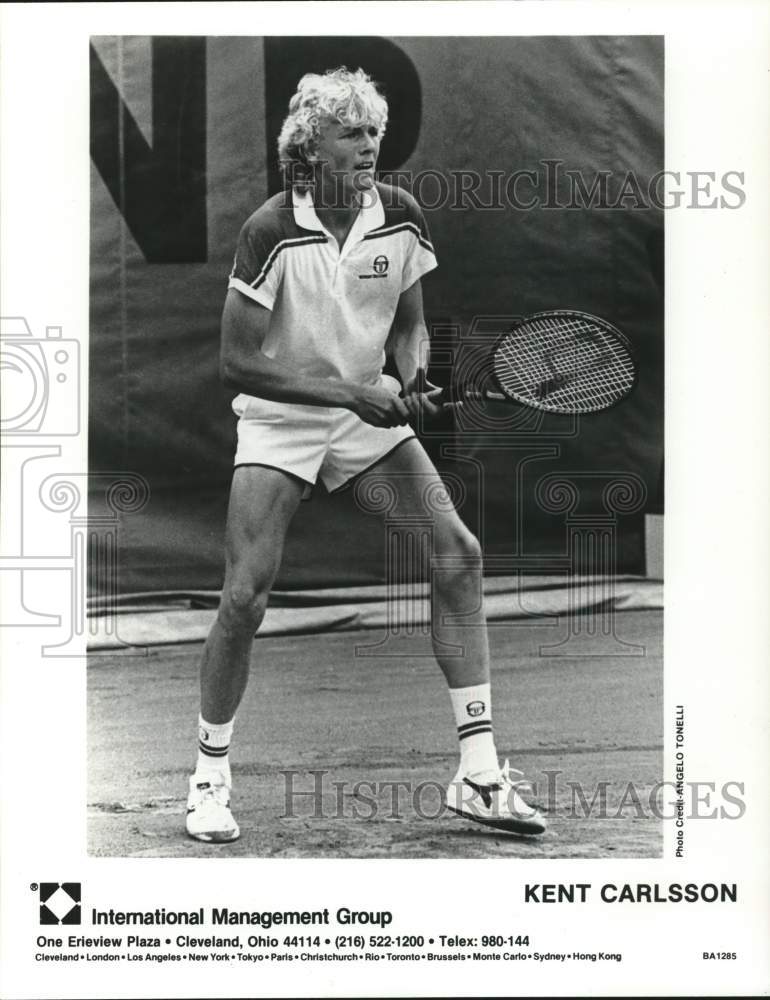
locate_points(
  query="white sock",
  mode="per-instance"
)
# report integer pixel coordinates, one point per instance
(213, 748)
(473, 714)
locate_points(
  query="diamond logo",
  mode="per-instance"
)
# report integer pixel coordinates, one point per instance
(60, 902)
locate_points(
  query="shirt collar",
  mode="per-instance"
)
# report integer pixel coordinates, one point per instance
(371, 216)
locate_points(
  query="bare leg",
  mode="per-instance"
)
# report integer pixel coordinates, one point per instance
(457, 595)
(262, 504)
(480, 791)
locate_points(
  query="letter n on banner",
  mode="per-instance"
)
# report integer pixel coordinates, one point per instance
(158, 186)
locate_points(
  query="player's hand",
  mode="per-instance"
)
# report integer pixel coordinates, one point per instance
(380, 407)
(421, 397)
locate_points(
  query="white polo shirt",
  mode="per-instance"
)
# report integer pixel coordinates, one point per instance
(332, 309)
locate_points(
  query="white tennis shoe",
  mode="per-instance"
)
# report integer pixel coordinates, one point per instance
(494, 798)
(208, 810)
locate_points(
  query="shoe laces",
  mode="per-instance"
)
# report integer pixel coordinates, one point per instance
(218, 794)
(506, 775)
(516, 779)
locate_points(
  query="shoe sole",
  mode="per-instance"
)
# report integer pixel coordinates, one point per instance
(522, 827)
(215, 838)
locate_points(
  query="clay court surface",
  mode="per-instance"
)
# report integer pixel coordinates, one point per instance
(334, 719)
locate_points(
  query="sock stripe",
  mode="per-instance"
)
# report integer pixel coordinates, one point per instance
(210, 751)
(476, 730)
(472, 725)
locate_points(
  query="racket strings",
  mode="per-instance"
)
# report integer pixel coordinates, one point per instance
(564, 363)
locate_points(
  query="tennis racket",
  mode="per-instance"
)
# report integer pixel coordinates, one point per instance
(561, 361)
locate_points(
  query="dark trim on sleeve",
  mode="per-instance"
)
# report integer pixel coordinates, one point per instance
(402, 227)
(288, 244)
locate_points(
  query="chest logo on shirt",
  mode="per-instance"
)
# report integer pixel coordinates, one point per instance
(380, 266)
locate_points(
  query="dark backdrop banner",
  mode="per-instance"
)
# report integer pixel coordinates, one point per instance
(183, 149)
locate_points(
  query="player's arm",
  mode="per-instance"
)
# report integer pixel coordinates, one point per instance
(244, 367)
(408, 345)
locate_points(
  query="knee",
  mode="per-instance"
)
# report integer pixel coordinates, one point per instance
(460, 544)
(458, 560)
(470, 548)
(243, 605)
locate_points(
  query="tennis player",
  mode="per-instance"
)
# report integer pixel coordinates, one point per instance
(326, 280)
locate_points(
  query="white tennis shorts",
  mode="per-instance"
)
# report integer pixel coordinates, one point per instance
(312, 441)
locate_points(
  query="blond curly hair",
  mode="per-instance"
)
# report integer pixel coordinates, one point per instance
(340, 95)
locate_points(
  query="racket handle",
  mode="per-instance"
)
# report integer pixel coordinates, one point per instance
(450, 397)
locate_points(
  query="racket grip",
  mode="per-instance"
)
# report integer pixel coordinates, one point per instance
(456, 395)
